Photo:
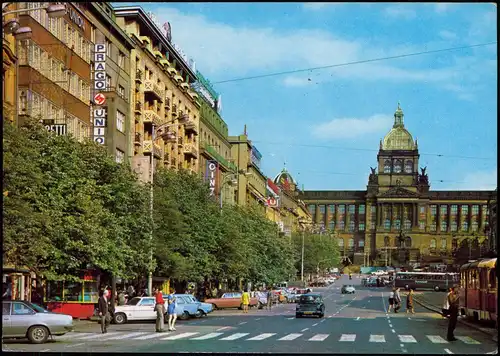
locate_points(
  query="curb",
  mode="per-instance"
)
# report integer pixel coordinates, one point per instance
(493, 333)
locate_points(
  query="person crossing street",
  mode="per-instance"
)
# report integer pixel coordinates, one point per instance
(104, 311)
(160, 311)
(453, 302)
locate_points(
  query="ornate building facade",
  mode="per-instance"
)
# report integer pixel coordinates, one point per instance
(398, 220)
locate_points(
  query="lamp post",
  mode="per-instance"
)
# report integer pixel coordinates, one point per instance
(168, 136)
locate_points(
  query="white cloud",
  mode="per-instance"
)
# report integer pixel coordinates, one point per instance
(480, 180)
(348, 128)
(402, 11)
(447, 35)
(320, 5)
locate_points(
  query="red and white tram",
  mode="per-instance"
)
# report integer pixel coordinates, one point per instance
(479, 292)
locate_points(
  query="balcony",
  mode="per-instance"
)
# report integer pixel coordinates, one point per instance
(152, 88)
(178, 78)
(138, 76)
(172, 71)
(147, 146)
(185, 86)
(174, 110)
(180, 141)
(229, 166)
(173, 163)
(191, 126)
(190, 149)
(166, 158)
(137, 139)
(157, 53)
(151, 116)
(138, 108)
(167, 103)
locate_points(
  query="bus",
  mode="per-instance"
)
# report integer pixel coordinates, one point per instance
(426, 280)
(478, 292)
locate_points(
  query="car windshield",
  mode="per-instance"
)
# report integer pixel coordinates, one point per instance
(134, 301)
(37, 308)
(310, 299)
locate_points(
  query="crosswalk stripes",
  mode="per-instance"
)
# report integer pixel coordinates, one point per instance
(221, 336)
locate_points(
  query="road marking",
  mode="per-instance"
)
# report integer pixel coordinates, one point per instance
(393, 331)
(180, 336)
(290, 337)
(45, 350)
(258, 318)
(290, 318)
(377, 338)
(207, 336)
(348, 337)
(304, 330)
(319, 337)
(224, 328)
(234, 336)
(315, 324)
(448, 351)
(436, 339)
(406, 338)
(243, 323)
(468, 340)
(357, 318)
(72, 335)
(261, 336)
(97, 336)
(75, 345)
(126, 336)
(150, 336)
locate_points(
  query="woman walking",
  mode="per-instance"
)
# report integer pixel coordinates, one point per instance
(397, 300)
(245, 301)
(391, 299)
(409, 302)
(172, 316)
(446, 304)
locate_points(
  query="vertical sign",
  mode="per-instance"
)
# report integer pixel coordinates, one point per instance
(99, 113)
(212, 177)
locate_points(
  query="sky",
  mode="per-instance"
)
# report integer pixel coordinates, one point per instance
(326, 124)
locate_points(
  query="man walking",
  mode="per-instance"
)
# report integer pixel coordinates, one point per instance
(103, 311)
(397, 300)
(269, 298)
(453, 301)
(160, 311)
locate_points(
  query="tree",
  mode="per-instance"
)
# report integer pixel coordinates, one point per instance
(320, 252)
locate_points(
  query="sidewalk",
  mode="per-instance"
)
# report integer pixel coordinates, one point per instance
(434, 301)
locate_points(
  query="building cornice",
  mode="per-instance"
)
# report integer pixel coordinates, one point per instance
(118, 31)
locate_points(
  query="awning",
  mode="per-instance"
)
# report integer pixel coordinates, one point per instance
(469, 265)
(489, 263)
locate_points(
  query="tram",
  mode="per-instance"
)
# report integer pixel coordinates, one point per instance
(479, 289)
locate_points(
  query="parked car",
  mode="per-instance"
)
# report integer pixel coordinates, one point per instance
(230, 300)
(192, 307)
(348, 289)
(141, 308)
(310, 304)
(22, 319)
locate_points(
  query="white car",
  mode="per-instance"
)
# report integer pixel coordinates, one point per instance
(140, 308)
(349, 289)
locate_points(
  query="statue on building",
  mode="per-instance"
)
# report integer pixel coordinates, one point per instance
(423, 178)
(372, 179)
(402, 239)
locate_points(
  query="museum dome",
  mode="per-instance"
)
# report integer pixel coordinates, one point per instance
(398, 138)
(285, 180)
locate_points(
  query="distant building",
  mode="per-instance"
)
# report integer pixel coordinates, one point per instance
(398, 220)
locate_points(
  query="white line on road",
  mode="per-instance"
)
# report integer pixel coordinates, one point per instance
(377, 338)
(290, 318)
(348, 337)
(261, 337)
(207, 336)
(180, 336)
(406, 338)
(357, 318)
(224, 328)
(45, 350)
(393, 331)
(436, 339)
(243, 323)
(234, 336)
(290, 337)
(74, 345)
(258, 318)
(304, 330)
(319, 337)
(126, 336)
(315, 324)
(150, 336)
(468, 340)
(448, 351)
(98, 336)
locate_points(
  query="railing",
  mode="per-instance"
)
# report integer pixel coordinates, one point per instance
(166, 157)
(167, 103)
(138, 106)
(152, 87)
(230, 165)
(191, 126)
(148, 146)
(137, 138)
(174, 109)
(180, 141)
(138, 75)
(190, 148)
(173, 162)
(151, 116)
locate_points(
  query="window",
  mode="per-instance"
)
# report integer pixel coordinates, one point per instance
(443, 210)
(331, 225)
(444, 226)
(398, 166)
(120, 121)
(465, 226)
(120, 156)
(453, 226)
(361, 227)
(108, 48)
(474, 226)
(341, 209)
(465, 209)
(433, 226)
(352, 225)
(312, 209)
(361, 243)
(475, 209)
(433, 210)
(407, 225)
(421, 225)
(352, 209)
(108, 82)
(387, 224)
(408, 166)
(433, 244)
(322, 209)
(121, 91)
(121, 60)
(341, 242)
(454, 209)
(387, 166)
(422, 210)
(397, 224)
(332, 209)
(373, 209)
(351, 243)
(21, 309)
(341, 225)
(361, 209)
(443, 243)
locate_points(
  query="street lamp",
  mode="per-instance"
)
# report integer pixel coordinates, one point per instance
(168, 136)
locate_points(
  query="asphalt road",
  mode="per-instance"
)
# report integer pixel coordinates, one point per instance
(355, 323)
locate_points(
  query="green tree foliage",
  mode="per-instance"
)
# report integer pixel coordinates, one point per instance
(69, 205)
(320, 251)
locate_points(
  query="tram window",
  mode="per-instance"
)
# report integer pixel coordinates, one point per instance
(483, 278)
(493, 279)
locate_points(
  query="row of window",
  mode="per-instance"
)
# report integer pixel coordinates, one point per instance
(340, 209)
(397, 167)
(33, 55)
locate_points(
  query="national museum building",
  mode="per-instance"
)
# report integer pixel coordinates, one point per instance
(398, 220)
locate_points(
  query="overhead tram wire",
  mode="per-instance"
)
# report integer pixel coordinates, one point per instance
(366, 149)
(356, 62)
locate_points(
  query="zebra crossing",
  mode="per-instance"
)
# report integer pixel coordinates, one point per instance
(229, 336)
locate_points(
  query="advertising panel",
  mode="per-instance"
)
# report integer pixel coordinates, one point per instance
(99, 112)
(212, 176)
(255, 156)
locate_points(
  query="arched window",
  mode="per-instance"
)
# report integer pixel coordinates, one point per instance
(433, 244)
(398, 166)
(387, 166)
(408, 166)
(443, 243)
(386, 241)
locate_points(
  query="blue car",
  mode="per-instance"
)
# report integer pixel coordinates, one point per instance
(191, 306)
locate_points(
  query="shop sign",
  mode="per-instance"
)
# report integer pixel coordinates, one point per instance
(99, 125)
(272, 202)
(75, 17)
(99, 113)
(59, 129)
(99, 66)
(211, 176)
(255, 156)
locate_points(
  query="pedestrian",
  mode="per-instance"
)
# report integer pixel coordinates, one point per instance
(391, 300)
(172, 316)
(453, 300)
(269, 299)
(131, 291)
(121, 297)
(397, 300)
(409, 302)
(104, 311)
(160, 311)
(378, 282)
(446, 304)
(245, 300)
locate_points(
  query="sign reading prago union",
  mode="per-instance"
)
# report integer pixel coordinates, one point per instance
(212, 176)
(99, 112)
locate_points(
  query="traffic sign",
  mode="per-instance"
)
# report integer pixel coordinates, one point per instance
(99, 99)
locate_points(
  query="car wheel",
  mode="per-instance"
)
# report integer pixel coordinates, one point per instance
(184, 316)
(120, 318)
(321, 315)
(436, 288)
(214, 307)
(199, 313)
(38, 334)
